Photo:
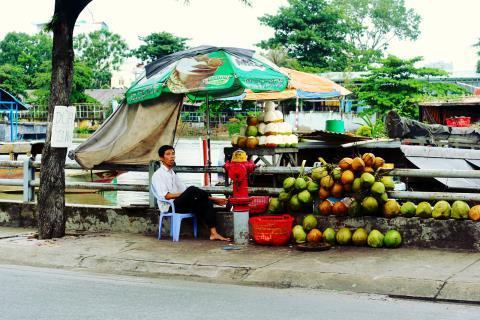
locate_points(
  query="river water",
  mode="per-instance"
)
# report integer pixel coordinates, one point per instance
(188, 152)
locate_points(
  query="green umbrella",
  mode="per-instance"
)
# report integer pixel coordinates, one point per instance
(208, 73)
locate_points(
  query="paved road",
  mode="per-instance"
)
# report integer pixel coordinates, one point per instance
(38, 293)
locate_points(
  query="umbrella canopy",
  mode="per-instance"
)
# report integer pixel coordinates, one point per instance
(304, 86)
(208, 72)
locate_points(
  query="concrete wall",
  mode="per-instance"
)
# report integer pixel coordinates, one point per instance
(422, 233)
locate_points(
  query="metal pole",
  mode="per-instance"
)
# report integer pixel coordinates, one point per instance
(434, 195)
(151, 197)
(296, 114)
(208, 138)
(28, 176)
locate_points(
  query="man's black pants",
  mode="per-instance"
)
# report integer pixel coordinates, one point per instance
(197, 201)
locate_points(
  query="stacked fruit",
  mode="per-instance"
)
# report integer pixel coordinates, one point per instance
(357, 179)
(271, 132)
(441, 210)
(308, 232)
(296, 196)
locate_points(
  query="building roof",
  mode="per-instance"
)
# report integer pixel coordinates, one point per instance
(461, 101)
(105, 96)
(7, 100)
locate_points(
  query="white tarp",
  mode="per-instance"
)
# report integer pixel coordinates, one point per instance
(133, 133)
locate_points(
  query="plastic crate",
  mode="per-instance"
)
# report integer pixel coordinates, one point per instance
(258, 204)
(272, 230)
(458, 122)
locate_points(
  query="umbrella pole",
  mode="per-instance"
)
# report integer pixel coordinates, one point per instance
(208, 140)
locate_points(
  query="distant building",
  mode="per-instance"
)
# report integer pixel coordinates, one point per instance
(442, 65)
(127, 74)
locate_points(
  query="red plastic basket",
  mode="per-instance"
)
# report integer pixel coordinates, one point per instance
(258, 204)
(272, 230)
(458, 122)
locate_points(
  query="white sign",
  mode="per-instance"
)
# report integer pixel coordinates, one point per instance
(62, 129)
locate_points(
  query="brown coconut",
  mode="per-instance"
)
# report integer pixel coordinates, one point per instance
(323, 193)
(347, 177)
(369, 159)
(345, 163)
(337, 190)
(339, 209)
(379, 162)
(325, 208)
(358, 164)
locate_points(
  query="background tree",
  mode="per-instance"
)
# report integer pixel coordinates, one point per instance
(103, 52)
(27, 52)
(51, 196)
(374, 24)
(279, 55)
(398, 85)
(159, 44)
(13, 79)
(312, 31)
(82, 80)
(477, 45)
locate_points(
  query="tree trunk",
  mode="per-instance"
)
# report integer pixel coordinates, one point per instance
(51, 198)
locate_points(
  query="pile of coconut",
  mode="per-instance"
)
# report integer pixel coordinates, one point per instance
(266, 130)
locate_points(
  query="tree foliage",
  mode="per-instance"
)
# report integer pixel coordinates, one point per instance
(312, 31)
(103, 52)
(159, 44)
(13, 79)
(398, 85)
(340, 35)
(82, 80)
(27, 52)
(477, 45)
(374, 24)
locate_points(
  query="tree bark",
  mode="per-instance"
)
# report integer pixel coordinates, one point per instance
(51, 197)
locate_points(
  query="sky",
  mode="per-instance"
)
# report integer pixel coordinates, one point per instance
(449, 28)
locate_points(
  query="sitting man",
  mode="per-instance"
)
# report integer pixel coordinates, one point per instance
(191, 199)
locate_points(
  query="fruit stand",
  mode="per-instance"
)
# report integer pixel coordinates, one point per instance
(353, 202)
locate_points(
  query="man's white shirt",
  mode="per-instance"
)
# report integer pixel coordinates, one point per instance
(165, 181)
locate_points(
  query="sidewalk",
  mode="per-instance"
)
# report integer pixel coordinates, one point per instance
(416, 273)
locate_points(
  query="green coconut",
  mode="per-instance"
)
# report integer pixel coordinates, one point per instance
(300, 184)
(424, 210)
(391, 208)
(343, 236)
(408, 209)
(460, 210)
(441, 210)
(377, 188)
(388, 182)
(375, 239)
(359, 237)
(309, 222)
(367, 179)
(288, 183)
(370, 205)
(392, 239)
(252, 131)
(294, 203)
(299, 234)
(336, 174)
(329, 236)
(357, 185)
(284, 196)
(354, 209)
(312, 186)
(305, 197)
(274, 205)
(318, 173)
